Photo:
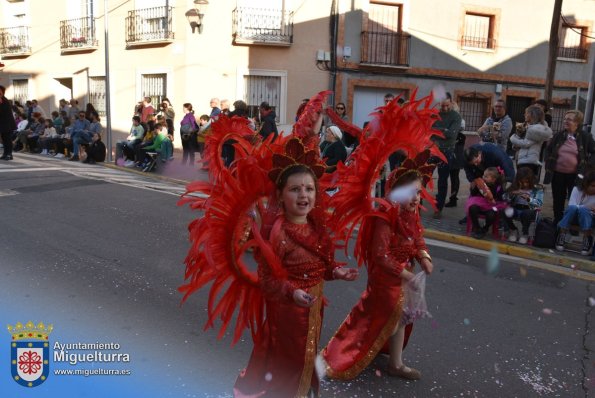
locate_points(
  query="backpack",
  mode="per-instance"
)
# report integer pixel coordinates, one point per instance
(545, 233)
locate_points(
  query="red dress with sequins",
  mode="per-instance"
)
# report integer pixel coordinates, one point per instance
(365, 332)
(282, 361)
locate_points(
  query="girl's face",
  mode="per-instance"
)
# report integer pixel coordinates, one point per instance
(413, 204)
(298, 197)
(488, 177)
(525, 184)
(591, 189)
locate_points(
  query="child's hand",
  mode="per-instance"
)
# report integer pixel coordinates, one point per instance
(347, 274)
(426, 265)
(406, 275)
(303, 299)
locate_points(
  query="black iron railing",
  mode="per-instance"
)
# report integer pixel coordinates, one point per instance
(478, 42)
(149, 25)
(391, 49)
(78, 33)
(572, 52)
(14, 41)
(262, 25)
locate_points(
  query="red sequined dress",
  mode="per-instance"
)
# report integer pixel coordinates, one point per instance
(393, 244)
(282, 361)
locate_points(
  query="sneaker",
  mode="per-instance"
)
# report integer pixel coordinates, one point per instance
(513, 236)
(129, 163)
(523, 240)
(560, 241)
(451, 203)
(59, 156)
(75, 158)
(437, 215)
(44, 152)
(478, 233)
(587, 245)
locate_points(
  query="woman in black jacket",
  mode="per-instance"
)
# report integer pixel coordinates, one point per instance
(7, 125)
(568, 154)
(334, 150)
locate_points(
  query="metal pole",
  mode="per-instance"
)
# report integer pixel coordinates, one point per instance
(578, 97)
(590, 94)
(108, 115)
(553, 52)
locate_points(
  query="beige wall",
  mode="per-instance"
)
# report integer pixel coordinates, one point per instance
(199, 66)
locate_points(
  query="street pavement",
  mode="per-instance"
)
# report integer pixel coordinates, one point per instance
(98, 251)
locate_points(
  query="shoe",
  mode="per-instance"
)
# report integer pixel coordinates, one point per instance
(478, 233)
(129, 163)
(44, 152)
(523, 239)
(437, 215)
(59, 156)
(587, 245)
(451, 203)
(404, 372)
(9, 157)
(560, 241)
(463, 221)
(514, 236)
(74, 158)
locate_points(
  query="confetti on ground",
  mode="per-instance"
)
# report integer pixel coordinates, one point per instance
(547, 311)
(466, 322)
(572, 266)
(471, 288)
(592, 301)
(523, 271)
(378, 373)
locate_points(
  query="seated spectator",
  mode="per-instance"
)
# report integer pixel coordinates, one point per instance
(160, 144)
(334, 151)
(80, 128)
(49, 136)
(139, 153)
(524, 199)
(58, 122)
(486, 198)
(529, 139)
(86, 137)
(580, 209)
(127, 147)
(29, 136)
(96, 150)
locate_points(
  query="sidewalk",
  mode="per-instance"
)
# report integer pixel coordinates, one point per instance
(446, 229)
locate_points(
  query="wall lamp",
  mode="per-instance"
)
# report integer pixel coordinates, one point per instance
(196, 14)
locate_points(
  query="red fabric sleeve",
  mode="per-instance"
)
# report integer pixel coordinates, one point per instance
(381, 254)
(274, 287)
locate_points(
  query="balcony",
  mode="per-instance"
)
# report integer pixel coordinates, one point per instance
(149, 26)
(78, 35)
(262, 26)
(478, 42)
(14, 42)
(573, 53)
(385, 49)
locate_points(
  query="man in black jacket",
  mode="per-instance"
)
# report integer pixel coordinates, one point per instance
(267, 120)
(7, 125)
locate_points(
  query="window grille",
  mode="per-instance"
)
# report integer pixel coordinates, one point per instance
(20, 88)
(97, 94)
(155, 87)
(258, 89)
(478, 31)
(474, 110)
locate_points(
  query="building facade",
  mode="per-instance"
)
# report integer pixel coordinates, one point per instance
(477, 50)
(185, 50)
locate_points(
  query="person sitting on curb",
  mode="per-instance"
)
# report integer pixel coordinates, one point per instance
(96, 150)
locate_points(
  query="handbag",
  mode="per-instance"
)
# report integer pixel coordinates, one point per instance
(545, 233)
(187, 130)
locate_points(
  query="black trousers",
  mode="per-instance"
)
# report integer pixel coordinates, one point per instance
(562, 184)
(475, 212)
(7, 142)
(455, 183)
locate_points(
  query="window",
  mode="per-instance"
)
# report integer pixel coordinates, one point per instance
(97, 94)
(258, 89)
(20, 89)
(478, 31)
(573, 42)
(558, 111)
(383, 40)
(474, 109)
(154, 86)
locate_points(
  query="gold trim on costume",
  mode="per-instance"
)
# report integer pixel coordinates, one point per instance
(424, 254)
(383, 336)
(314, 326)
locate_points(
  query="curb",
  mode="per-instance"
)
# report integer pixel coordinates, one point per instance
(513, 250)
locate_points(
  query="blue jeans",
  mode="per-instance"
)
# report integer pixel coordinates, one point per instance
(79, 138)
(573, 212)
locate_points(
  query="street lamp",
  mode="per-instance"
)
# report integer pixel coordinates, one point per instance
(195, 15)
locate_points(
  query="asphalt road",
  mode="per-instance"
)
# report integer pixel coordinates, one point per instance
(99, 253)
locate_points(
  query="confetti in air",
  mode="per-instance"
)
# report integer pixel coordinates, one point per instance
(320, 366)
(592, 301)
(466, 321)
(493, 261)
(439, 92)
(547, 311)
(268, 376)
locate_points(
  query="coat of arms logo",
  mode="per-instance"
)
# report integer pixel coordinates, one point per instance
(30, 353)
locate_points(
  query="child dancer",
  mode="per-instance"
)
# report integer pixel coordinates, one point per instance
(581, 206)
(394, 242)
(524, 198)
(486, 199)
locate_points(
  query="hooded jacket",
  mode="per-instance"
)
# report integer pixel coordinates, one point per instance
(530, 146)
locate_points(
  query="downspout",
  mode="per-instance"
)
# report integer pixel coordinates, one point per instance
(334, 27)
